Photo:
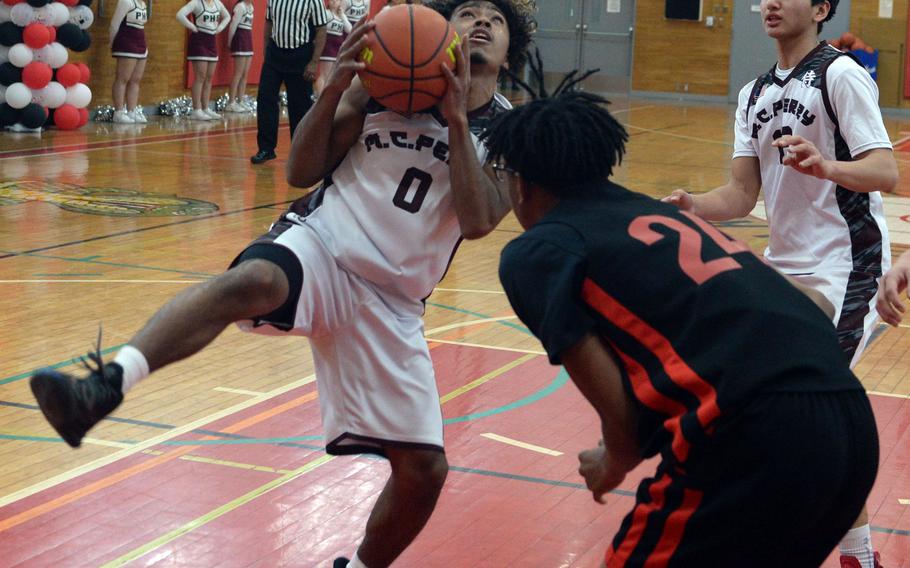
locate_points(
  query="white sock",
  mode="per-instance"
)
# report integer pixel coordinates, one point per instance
(355, 562)
(135, 367)
(858, 543)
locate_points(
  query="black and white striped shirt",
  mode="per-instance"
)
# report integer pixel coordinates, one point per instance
(293, 21)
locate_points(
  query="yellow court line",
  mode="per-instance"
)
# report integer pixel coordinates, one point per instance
(459, 324)
(525, 445)
(483, 346)
(891, 394)
(486, 378)
(238, 465)
(468, 290)
(220, 511)
(108, 443)
(169, 435)
(904, 501)
(238, 391)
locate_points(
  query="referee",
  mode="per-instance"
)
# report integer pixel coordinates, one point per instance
(294, 37)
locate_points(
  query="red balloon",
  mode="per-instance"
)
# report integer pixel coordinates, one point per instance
(67, 117)
(36, 35)
(69, 3)
(83, 116)
(53, 32)
(68, 75)
(12, 2)
(36, 75)
(84, 73)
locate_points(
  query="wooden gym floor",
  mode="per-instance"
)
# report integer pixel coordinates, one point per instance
(218, 461)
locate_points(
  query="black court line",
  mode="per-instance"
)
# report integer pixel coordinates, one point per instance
(143, 229)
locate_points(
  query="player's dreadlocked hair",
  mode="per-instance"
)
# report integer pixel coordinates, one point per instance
(830, 12)
(558, 141)
(519, 15)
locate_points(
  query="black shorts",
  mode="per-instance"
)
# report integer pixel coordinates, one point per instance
(778, 484)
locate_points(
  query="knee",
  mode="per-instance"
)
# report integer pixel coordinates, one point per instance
(258, 283)
(424, 471)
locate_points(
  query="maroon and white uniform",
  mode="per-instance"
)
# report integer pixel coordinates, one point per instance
(128, 29)
(242, 42)
(336, 31)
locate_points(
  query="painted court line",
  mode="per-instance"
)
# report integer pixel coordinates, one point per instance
(220, 511)
(100, 281)
(524, 445)
(238, 391)
(457, 325)
(482, 346)
(169, 435)
(486, 378)
(888, 394)
(904, 501)
(469, 291)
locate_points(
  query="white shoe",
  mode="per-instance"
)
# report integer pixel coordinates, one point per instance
(250, 107)
(236, 107)
(199, 114)
(137, 115)
(123, 117)
(212, 114)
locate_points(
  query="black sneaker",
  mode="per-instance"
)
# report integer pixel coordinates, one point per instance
(263, 156)
(73, 406)
(341, 562)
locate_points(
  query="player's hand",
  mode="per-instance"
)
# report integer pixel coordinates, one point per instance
(310, 72)
(454, 103)
(803, 156)
(889, 304)
(347, 64)
(682, 199)
(599, 476)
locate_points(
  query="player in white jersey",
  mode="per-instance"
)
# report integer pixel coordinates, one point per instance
(810, 134)
(349, 266)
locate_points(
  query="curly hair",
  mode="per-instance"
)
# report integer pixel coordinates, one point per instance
(518, 13)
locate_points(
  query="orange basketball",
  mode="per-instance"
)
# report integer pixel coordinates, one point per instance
(403, 56)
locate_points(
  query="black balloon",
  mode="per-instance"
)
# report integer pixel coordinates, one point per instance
(49, 121)
(8, 115)
(10, 34)
(33, 116)
(69, 35)
(9, 74)
(85, 3)
(37, 3)
(84, 44)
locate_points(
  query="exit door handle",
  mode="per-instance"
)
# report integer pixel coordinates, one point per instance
(581, 27)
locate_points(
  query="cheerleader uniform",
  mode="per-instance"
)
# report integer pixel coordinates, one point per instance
(129, 40)
(242, 42)
(335, 33)
(201, 46)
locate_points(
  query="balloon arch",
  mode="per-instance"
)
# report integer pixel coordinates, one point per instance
(38, 87)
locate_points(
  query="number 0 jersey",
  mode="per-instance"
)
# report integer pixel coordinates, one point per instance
(386, 213)
(830, 100)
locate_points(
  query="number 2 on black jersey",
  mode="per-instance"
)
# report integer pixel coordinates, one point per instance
(690, 244)
(424, 180)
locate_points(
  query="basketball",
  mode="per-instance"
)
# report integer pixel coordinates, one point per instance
(403, 56)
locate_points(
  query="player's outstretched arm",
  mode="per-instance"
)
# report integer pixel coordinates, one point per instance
(873, 170)
(594, 371)
(733, 200)
(895, 281)
(480, 203)
(335, 121)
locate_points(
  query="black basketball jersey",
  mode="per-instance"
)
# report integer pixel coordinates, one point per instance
(698, 323)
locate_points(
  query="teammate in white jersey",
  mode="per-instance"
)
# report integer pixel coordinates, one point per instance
(348, 266)
(810, 134)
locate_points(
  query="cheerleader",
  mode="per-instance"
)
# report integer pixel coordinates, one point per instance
(210, 17)
(240, 38)
(357, 9)
(128, 47)
(336, 30)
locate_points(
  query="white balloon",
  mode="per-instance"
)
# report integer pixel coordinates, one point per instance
(4, 12)
(21, 14)
(4, 54)
(42, 15)
(60, 14)
(43, 54)
(54, 94)
(18, 95)
(59, 55)
(79, 95)
(82, 16)
(21, 55)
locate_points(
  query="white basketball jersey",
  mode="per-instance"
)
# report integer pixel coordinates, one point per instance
(386, 214)
(830, 100)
